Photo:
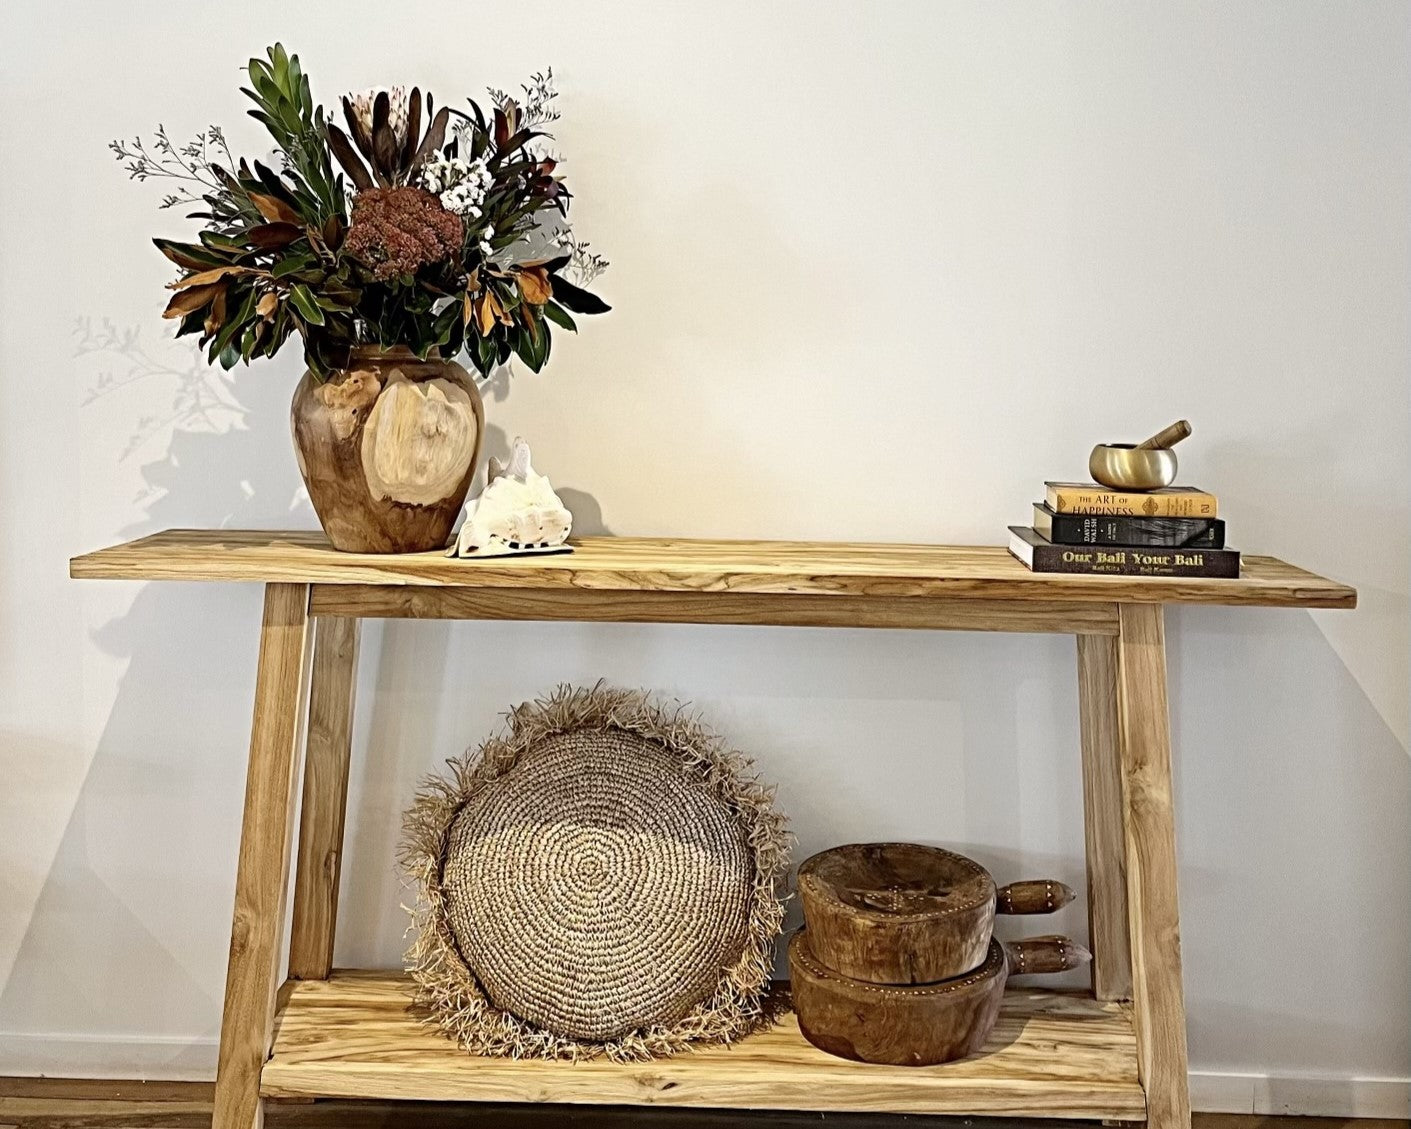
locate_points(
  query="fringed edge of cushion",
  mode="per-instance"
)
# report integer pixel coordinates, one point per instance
(447, 988)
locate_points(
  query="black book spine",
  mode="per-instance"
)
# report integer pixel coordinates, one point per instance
(1108, 529)
(1140, 561)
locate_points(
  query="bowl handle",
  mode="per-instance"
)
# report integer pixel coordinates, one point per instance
(1041, 895)
(1044, 954)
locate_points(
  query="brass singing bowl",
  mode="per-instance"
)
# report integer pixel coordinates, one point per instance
(1125, 467)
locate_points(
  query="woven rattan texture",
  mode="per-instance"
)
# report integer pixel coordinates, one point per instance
(595, 888)
(603, 835)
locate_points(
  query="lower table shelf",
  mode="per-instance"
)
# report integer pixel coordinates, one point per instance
(1052, 1054)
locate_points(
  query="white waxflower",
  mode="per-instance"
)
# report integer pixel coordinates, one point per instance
(460, 185)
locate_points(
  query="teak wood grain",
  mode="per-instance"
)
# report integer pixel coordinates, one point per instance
(1144, 738)
(1102, 819)
(640, 564)
(262, 872)
(1051, 1054)
(777, 609)
(328, 750)
(351, 1035)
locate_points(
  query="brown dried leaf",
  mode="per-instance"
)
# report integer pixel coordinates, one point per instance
(268, 303)
(205, 277)
(434, 139)
(413, 127)
(272, 236)
(385, 158)
(215, 316)
(189, 301)
(274, 209)
(535, 285)
(352, 165)
(487, 312)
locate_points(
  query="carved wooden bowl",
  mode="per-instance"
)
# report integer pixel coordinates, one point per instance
(920, 1024)
(903, 913)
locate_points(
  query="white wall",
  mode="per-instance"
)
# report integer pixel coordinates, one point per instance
(878, 270)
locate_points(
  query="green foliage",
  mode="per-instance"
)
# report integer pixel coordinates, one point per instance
(286, 108)
(272, 258)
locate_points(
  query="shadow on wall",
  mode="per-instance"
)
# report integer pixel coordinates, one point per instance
(123, 938)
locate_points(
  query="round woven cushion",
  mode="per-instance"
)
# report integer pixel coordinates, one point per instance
(595, 889)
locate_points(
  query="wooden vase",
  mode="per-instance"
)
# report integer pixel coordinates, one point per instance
(387, 448)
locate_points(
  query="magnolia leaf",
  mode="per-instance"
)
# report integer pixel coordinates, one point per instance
(272, 184)
(305, 304)
(272, 236)
(487, 312)
(578, 300)
(532, 343)
(552, 266)
(191, 323)
(559, 316)
(293, 264)
(274, 209)
(215, 315)
(535, 284)
(219, 242)
(204, 277)
(268, 303)
(467, 309)
(189, 301)
(192, 256)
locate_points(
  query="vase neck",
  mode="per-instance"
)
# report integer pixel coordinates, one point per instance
(389, 353)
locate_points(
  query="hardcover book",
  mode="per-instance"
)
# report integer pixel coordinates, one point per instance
(1090, 498)
(1041, 555)
(1116, 529)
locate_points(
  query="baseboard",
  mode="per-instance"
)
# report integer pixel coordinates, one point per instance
(194, 1060)
(1300, 1095)
(140, 1058)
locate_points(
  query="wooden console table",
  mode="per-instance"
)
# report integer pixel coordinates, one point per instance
(1117, 1052)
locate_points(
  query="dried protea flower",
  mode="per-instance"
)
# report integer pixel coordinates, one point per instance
(397, 231)
(386, 129)
(396, 110)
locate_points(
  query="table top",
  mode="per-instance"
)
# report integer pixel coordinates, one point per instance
(654, 564)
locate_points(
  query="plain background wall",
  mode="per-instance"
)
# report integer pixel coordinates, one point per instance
(878, 270)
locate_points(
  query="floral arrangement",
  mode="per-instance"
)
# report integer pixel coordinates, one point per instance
(432, 230)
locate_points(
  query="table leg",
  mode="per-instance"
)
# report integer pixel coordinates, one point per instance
(1144, 737)
(326, 757)
(1102, 818)
(262, 876)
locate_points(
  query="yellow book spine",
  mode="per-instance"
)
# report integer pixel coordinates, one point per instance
(1085, 500)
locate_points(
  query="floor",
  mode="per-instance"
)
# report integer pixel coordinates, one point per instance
(56, 1103)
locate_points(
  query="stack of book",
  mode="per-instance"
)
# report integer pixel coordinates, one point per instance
(1086, 528)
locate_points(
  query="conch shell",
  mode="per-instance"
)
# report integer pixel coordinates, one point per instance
(517, 512)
